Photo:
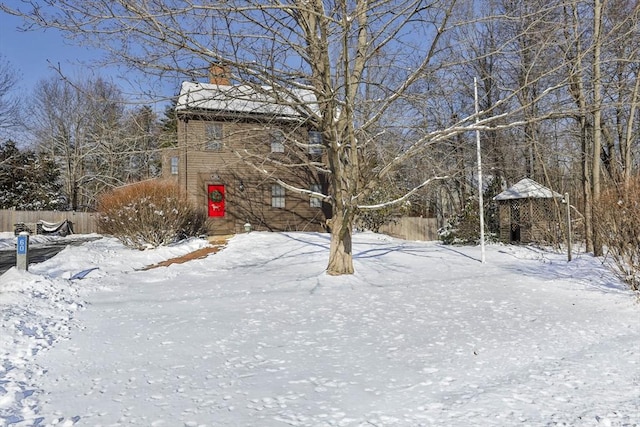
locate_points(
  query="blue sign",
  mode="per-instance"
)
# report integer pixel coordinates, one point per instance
(23, 244)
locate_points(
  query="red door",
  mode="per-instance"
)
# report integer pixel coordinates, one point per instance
(215, 200)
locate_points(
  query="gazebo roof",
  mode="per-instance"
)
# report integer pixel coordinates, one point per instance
(527, 188)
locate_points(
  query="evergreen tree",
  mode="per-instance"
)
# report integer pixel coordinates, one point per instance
(28, 180)
(169, 126)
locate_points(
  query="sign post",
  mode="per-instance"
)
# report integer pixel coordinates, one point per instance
(22, 251)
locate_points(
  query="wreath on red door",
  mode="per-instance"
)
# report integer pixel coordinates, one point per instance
(216, 196)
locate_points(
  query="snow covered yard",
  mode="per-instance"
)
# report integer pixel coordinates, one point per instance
(258, 335)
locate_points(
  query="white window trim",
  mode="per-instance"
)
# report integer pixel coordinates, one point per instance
(174, 165)
(213, 144)
(277, 142)
(278, 199)
(315, 142)
(315, 202)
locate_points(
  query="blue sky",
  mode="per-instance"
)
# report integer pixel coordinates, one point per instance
(29, 52)
(33, 55)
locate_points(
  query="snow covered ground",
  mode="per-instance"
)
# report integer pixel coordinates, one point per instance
(258, 335)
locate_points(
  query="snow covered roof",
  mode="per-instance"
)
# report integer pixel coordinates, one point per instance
(527, 188)
(241, 99)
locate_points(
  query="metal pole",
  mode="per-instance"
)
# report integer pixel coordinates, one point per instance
(480, 198)
(566, 200)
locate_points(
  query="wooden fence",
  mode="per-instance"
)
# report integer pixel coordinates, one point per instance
(408, 228)
(413, 228)
(82, 222)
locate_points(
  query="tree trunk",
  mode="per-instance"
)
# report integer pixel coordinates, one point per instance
(586, 185)
(626, 147)
(340, 252)
(579, 93)
(597, 113)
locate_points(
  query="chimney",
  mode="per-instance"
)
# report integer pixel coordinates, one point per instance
(218, 75)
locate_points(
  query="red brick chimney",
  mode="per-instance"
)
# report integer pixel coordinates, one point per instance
(218, 75)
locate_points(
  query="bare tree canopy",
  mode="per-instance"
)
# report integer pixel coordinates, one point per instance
(97, 143)
(9, 112)
(391, 80)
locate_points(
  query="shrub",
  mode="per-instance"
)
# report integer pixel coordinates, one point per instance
(464, 228)
(616, 221)
(373, 219)
(149, 214)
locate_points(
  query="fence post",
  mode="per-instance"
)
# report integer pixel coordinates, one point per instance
(22, 251)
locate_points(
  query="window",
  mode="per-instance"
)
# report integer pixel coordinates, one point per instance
(315, 143)
(174, 166)
(277, 142)
(315, 202)
(277, 196)
(213, 136)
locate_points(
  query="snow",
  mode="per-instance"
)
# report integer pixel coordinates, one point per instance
(243, 99)
(258, 335)
(8, 241)
(527, 188)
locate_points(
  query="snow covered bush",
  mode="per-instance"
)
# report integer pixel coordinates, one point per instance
(464, 228)
(373, 219)
(617, 219)
(28, 180)
(149, 214)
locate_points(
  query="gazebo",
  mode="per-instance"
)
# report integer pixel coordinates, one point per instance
(529, 212)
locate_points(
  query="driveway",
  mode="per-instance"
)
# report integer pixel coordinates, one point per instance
(39, 252)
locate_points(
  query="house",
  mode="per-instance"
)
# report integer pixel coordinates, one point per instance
(529, 212)
(237, 146)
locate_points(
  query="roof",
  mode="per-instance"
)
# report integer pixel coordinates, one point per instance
(527, 188)
(243, 99)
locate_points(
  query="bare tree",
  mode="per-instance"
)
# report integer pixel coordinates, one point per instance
(58, 118)
(107, 144)
(141, 131)
(597, 110)
(363, 61)
(601, 59)
(96, 142)
(9, 111)
(620, 79)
